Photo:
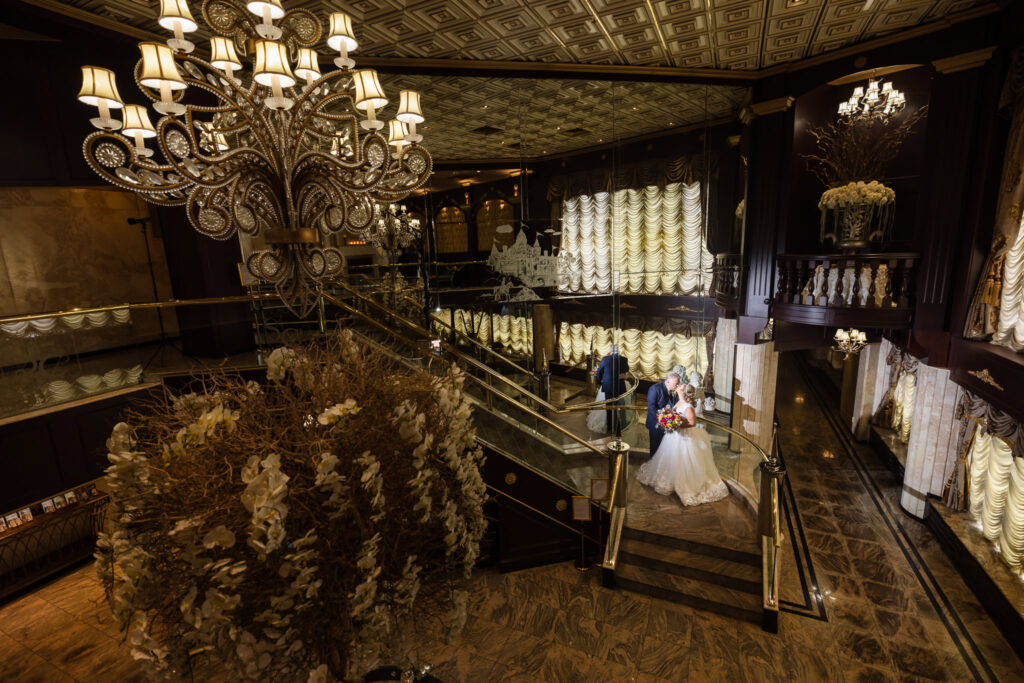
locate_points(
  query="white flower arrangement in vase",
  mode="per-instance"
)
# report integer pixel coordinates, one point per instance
(856, 207)
(299, 529)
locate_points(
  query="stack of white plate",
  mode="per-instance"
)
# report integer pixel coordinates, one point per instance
(89, 383)
(133, 374)
(114, 378)
(59, 390)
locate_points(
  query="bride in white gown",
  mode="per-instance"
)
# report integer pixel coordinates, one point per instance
(683, 463)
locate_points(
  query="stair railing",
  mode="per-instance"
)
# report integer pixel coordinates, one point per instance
(770, 526)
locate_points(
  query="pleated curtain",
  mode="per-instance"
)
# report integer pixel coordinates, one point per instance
(514, 334)
(637, 241)
(1010, 331)
(997, 494)
(651, 354)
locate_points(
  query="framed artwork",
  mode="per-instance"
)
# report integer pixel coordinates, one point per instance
(13, 520)
(26, 515)
(3, 524)
(48, 506)
(59, 502)
(599, 488)
(71, 497)
(581, 508)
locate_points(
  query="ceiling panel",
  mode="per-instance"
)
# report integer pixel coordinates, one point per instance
(726, 34)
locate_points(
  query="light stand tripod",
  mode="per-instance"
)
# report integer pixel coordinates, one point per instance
(164, 341)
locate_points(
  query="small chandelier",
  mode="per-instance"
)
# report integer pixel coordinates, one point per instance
(394, 229)
(876, 102)
(289, 156)
(850, 342)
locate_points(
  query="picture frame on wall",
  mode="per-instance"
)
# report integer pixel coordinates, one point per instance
(71, 497)
(48, 506)
(58, 502)
(26, 515)
(13, 520)
(3, 524)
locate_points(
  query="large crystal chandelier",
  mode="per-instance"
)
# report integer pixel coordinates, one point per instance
(876, 102)
(280, 159)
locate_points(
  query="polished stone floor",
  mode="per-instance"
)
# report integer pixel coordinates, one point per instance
(892, 606)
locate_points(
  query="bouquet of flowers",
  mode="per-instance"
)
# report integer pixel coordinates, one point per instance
(669, 419)
(874, 193)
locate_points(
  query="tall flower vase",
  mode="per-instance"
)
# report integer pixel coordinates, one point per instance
(858, 213)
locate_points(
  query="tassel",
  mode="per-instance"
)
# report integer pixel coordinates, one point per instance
(955, 494)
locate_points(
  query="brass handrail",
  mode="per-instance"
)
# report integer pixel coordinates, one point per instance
(469, 359)
(764, 454)
(168, 303)
(478, 344)
(488, 388)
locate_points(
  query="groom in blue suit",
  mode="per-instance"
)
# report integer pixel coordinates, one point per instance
(658, 396)
(612, 374)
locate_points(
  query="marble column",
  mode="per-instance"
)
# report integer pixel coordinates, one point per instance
(753, 397)
(725, 341)
(872, 382)
(931, 450)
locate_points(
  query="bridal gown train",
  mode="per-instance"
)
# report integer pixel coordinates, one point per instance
(684, 465)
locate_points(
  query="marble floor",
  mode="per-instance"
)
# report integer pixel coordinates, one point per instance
(892, 606)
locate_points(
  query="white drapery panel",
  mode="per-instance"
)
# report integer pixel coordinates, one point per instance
(645, 241)
(997, 494)
(74, 321)
(903, 398)
(651, 355)
(512, 333)
(1010, 331)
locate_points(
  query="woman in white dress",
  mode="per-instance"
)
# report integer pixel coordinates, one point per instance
(683, 463)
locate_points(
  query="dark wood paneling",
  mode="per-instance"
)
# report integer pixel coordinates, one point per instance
(1003, 366)
(871, 318)
(58, 450)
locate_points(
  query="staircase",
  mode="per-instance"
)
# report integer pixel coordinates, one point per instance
(726, 581)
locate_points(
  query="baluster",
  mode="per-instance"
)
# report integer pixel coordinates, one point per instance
(854, 286)
(887, 302)
(794, 282)
(782, 283)
(905, 283)
(873, 265)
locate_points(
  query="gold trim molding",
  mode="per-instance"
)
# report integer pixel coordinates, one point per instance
(965, 61)
(779, 104)
(985, 376)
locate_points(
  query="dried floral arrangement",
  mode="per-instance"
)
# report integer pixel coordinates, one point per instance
(297, 530)
(850, 150)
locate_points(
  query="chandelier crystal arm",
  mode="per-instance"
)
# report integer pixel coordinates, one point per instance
(264, 156)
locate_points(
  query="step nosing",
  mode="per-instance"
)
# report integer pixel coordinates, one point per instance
(692, 573)
(688, 599)
(738, 556)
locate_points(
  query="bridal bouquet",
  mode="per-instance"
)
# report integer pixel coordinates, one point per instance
(669, 419)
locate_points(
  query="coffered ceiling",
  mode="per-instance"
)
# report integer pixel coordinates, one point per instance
(705, 34)
(502, 118)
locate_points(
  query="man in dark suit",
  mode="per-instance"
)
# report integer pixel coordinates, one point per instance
(658, 396)
(612, 374)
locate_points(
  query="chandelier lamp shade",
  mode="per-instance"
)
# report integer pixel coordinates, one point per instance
(409, 112)
(289, 156)
(343, 39)
(874, 102)
(137, 125)
(176, 17)
(223, 56)
(369, 97)
(850, 342)
(99, 89)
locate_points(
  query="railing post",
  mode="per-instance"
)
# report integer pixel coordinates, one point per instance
(617, 450)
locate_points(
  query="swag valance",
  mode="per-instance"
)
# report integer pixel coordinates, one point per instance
(634, 175)
(635, 321)
(976, 414)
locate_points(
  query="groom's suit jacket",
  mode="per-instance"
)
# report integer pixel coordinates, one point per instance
(658, 396)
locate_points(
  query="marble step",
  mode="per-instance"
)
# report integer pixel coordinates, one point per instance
(684, 591)
(692, 565)
(747, 555)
